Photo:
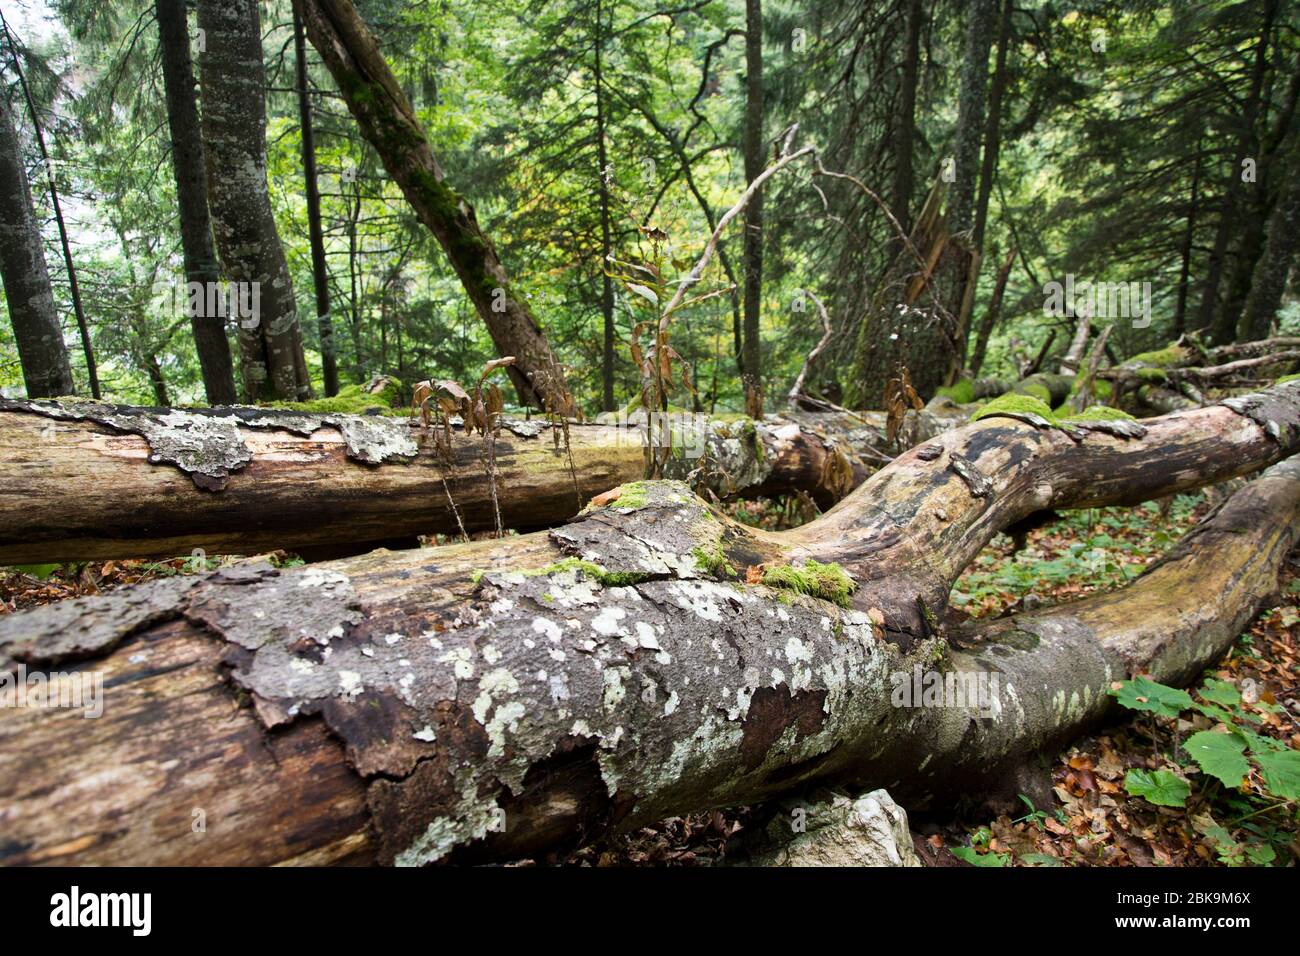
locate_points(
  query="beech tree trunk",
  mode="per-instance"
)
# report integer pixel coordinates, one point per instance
(388, 122)
(246, 481)
(209, 332)
(497, 701)
(28, 294)
(233, 80)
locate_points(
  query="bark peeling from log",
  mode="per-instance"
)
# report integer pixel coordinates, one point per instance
(207, 445)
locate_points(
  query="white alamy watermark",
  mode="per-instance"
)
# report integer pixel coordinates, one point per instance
(969, 690)
(1098, 300)
(70, 690)
(685, 434)
(75, 908)
(232, 302)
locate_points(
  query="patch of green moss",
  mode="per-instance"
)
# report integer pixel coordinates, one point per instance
(592, 570)
(714, 562)
(1015, 404)
(1151, 376)
(962, 392)
(1101, 388)
(1035, 390)
(353, 400)
(827, 581)
(1167, 357)
(1288, 378)
(1099, 413)
(634, 495)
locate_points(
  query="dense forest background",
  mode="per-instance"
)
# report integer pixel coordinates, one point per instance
(1127, 142)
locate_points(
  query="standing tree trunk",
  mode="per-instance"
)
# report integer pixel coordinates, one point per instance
(603, 174)
(74, 289)
(904, 131)
(233, 80)
(959, 268)
(1263, 198)
(30, 299)
(751, 354)
(388, 122)
(210, 341)
(992, 315)
(1185, 253)
(319, 271)
(1211, 315)
(1274, 266)
(993, 128)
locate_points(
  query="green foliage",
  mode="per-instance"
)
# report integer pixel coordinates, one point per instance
(1221, 755)
(1161, 787)
(1147, 695)
(1258, 774)
(975, 858)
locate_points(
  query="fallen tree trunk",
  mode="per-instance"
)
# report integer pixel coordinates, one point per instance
(83, 481)
(500, 699)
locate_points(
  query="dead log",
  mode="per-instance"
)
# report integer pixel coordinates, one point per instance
(503, 698)
(86, 481)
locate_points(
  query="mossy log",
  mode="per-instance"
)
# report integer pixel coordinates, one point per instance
(504, 699)
(85, 481)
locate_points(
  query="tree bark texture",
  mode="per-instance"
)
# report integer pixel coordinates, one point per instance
(28, 294)
(209, 332)
(233, 83)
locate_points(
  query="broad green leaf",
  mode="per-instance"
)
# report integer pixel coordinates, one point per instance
(1258, 743)
(1222, 756)
(41, 571)
(979, 859)
(1144, 694)
(1160, 787)
(1281, 772)
(1220, 692)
